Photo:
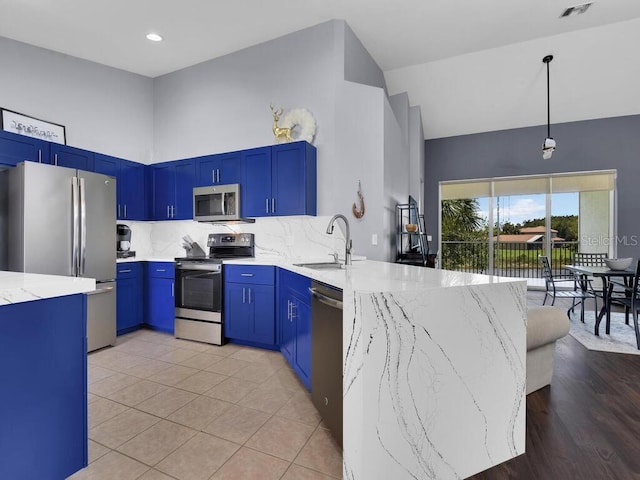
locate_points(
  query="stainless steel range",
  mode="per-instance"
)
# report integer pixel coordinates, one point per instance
(199, 282)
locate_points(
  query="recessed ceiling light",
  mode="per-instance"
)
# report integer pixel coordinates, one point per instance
(154, 37)
(576, 10)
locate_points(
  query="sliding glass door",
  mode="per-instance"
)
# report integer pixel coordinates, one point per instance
(516, 219)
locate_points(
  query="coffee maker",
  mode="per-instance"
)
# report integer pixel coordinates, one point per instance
(123, 241)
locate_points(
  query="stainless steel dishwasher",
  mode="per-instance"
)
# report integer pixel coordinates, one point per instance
(326, 355)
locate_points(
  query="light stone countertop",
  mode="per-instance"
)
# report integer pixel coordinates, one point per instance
(17, 287)
(375, 276)
(365, 275)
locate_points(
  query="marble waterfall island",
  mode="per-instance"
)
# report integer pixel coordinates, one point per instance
(434, 372)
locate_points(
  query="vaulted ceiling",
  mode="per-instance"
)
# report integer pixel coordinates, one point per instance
(397, 33)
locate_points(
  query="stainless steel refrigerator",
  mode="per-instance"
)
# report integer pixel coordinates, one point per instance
(62, 221)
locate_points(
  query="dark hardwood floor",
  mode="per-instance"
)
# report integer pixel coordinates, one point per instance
(586, 425)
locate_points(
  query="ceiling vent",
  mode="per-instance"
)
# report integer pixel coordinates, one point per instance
(576, 10)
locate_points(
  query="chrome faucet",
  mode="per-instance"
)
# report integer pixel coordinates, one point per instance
(348, 243)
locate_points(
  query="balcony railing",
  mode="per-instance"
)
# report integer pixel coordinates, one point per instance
(509, 259)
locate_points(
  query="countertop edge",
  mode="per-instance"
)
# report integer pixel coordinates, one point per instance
(18, 287)
(367, 276)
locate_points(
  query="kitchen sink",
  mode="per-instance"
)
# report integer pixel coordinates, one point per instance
(321, 265)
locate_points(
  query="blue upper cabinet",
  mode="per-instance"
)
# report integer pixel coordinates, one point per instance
(173, 184)
(220, 169)
(185, 181)
(279, 180)
(255, 188)
(130, 185)
(132, 191)
(107, 165)
(16, 148)
(293, 179)
(72, 157)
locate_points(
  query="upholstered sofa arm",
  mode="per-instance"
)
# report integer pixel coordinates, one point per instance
(545, 325)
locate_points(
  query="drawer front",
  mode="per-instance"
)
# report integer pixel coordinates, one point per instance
(128, 270)
(161, 269)
(256, 274)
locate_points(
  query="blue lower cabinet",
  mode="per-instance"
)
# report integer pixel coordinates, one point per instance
(249, 304)
(294, 307)
(130, 299)
(43, 406)
(160, 311)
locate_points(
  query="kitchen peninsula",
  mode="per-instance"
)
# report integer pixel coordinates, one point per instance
(43, 366)
(434, 369)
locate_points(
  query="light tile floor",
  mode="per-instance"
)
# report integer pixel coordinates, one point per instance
(163, 408)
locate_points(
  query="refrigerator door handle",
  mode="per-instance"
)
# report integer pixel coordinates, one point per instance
(76, 222)
(83, 227)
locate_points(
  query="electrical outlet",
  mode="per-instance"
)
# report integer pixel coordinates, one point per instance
(429, 238)
(374, 239)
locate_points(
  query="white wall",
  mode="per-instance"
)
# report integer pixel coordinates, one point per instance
(103, 109)
(359, 156)
(416, 156)
(594, 74)
(223, 104)
(396, 174)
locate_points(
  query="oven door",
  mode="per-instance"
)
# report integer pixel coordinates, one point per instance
(199, 292)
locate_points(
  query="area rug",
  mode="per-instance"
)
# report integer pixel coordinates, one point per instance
(622, 338)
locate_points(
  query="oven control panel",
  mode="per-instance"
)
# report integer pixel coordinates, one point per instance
(230, 240)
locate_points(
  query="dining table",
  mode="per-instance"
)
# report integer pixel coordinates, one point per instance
(605, 274)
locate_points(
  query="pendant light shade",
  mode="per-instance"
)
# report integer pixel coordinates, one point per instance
(549, 144)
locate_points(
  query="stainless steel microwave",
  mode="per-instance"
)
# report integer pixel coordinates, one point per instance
(216, 203)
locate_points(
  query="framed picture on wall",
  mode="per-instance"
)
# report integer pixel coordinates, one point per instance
(21, 124)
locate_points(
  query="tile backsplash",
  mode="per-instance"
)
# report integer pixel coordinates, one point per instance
(294, 237)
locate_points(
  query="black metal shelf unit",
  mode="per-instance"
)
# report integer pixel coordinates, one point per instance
(412, 248)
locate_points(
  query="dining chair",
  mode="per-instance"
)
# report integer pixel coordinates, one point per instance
(594, 285)
(615, 289)
(563, 287)
(631, 300)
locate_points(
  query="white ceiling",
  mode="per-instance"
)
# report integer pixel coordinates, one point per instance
(397, 33)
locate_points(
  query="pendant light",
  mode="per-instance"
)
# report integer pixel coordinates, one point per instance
(549, 144)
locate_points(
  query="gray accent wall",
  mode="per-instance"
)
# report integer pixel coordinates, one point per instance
(600, 144)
